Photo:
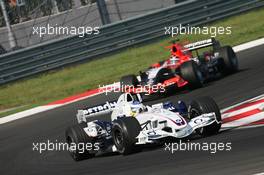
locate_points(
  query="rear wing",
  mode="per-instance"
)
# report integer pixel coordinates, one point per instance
(202, 44)
(101, 109)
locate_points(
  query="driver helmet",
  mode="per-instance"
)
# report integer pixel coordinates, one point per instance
(136, 108)
(207, 56)
(174, 60)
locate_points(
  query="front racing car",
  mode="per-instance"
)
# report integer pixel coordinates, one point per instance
(133, 124)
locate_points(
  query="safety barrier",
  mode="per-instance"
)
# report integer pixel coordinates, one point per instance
(113, 37)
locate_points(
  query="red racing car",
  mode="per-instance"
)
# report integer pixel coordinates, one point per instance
(183, 69)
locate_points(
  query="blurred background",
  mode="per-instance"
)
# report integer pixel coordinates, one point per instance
(18, 17)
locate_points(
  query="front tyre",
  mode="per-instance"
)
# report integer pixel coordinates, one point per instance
(205, 105)
(77, 139)
(124, 132)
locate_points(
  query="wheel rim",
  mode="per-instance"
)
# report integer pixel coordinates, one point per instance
(234, 61)
(118, 138)
(200, 76)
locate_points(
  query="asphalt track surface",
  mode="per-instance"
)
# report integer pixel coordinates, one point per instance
(246, 156)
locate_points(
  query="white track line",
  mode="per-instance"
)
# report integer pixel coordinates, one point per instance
(249, 45)
(26, 113)
(39, 109)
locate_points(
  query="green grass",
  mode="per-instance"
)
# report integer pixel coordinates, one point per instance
(56, 85)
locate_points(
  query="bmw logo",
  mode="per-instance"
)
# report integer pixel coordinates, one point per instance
(178, 121)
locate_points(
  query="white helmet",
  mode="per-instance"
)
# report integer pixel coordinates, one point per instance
(136, 108)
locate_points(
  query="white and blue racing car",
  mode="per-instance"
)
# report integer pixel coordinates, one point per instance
(133, 124)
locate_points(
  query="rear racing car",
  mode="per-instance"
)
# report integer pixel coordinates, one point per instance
(183, 69)
(133, 124)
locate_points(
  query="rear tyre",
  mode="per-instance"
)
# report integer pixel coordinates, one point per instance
(2, 50)
(205, 105)
(124, 132)
(229, 60)
(75, 135)
(191, 73)
(130, 81)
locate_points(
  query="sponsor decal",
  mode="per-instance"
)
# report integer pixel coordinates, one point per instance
(104, 107)
(199, 43)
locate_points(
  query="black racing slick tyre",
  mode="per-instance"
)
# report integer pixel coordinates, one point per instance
(191, 73)
(2, 50)
(130, 80)
(124, 132)
(205, 105)
(229, 60)
(77, 139)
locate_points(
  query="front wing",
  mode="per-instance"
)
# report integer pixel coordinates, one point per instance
(154, 134)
